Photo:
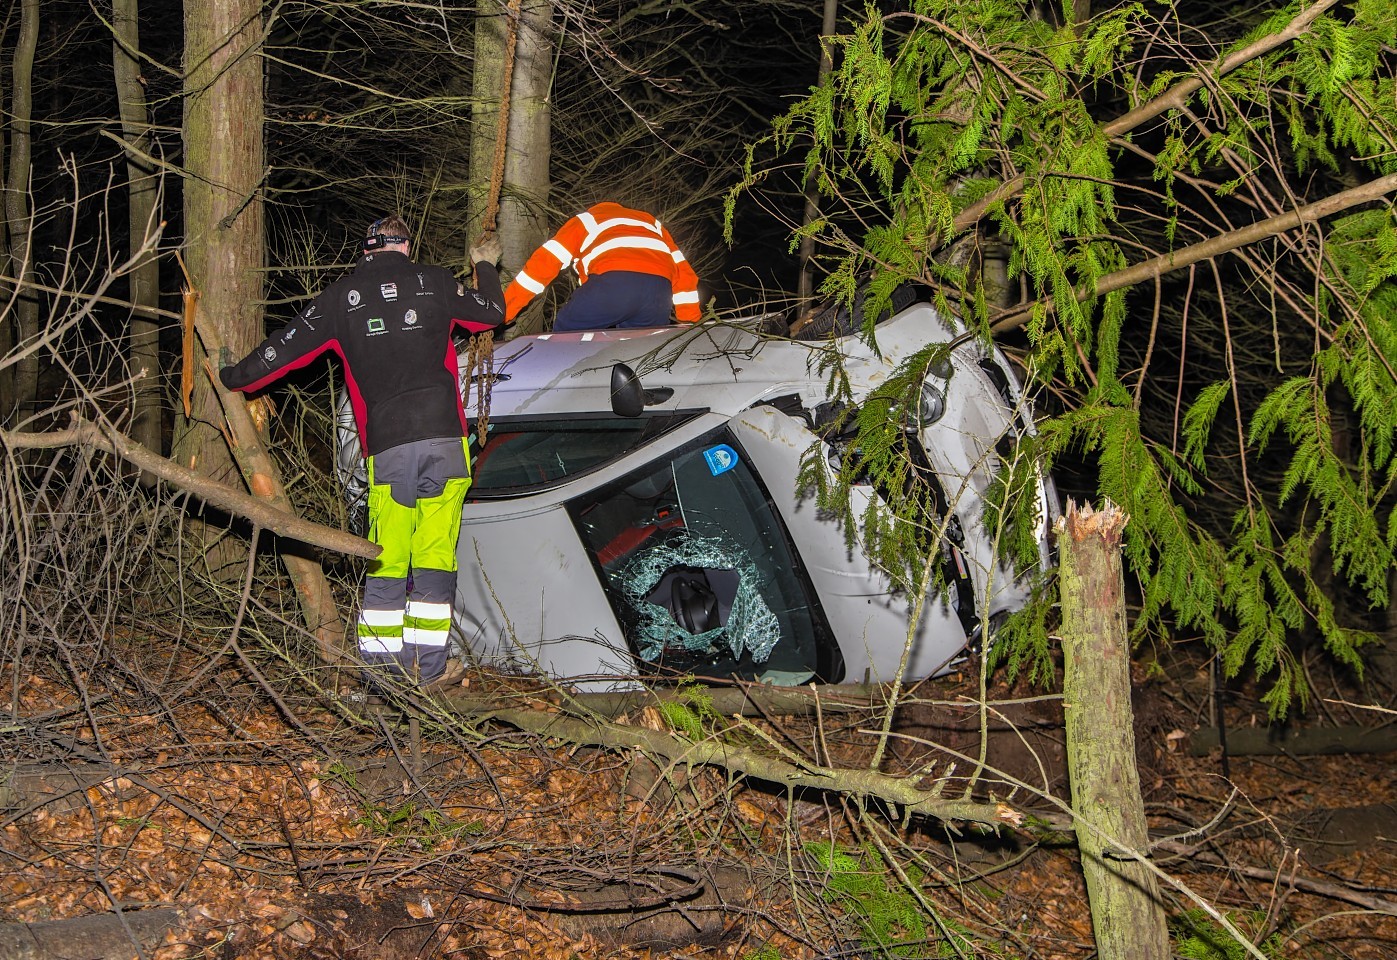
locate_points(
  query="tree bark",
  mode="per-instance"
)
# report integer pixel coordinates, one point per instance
(805, 288)
(523, 221)
(225, 253)
(1126, 910)
(100, 936)
(224, 245)
(142, 192)
(18, 215)
(1298, 742)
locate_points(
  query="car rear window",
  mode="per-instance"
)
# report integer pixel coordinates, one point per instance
(524, 456)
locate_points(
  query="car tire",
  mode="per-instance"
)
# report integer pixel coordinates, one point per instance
(838, 320)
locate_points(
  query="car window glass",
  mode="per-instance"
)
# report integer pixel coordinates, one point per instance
(524, 455)
(699, 569)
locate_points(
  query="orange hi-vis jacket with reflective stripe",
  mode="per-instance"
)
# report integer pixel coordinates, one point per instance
(608, 237)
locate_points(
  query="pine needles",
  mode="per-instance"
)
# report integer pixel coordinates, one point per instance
(1084, 148)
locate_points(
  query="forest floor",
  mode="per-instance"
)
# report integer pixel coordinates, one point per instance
(243, 824)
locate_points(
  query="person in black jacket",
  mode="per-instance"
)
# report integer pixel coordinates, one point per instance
(391, 321)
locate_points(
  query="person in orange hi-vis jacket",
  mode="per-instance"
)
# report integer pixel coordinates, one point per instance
(630, 272)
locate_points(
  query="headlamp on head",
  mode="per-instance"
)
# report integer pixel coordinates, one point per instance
(376, 240)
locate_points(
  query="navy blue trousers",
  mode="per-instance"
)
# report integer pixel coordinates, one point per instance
(617, 298)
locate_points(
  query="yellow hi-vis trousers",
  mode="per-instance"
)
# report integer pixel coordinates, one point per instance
(416, 491)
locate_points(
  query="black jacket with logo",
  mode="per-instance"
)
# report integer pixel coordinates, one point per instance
(390, 321)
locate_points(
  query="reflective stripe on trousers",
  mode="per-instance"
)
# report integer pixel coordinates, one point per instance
(406, 633)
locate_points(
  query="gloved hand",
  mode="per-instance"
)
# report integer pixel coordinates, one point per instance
(225, 366)
(486, 249)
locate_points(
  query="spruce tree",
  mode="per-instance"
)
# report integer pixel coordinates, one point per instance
(1145, 171)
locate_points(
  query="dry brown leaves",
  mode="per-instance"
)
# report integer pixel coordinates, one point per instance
(243, 821)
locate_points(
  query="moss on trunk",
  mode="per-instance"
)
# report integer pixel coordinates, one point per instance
(1126, 911)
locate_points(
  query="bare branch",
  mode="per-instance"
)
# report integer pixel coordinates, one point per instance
(210, 491)
(1215, 246)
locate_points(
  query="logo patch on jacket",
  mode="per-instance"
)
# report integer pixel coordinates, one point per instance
(269, 354)
(410, 317)
(389, 291)
(353, 298)
(376, 326)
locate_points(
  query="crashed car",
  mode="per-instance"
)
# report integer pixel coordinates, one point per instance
(636, 514)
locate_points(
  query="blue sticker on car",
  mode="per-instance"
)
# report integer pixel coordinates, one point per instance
(721, 458)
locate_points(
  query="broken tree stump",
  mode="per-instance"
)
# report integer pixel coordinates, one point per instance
(1126, 911)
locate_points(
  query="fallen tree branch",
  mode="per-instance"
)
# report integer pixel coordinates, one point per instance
(85, 432)
(745, 699)
(1213, 246)
(736, 758)
(1319, 888)
(1300, 742)
(1172, 99)
(100, 936)
(317, 602)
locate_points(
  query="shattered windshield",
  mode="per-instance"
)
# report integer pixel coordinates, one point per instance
(699, 569)
(525, 455)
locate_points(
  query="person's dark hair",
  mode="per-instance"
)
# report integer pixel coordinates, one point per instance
(386, 230)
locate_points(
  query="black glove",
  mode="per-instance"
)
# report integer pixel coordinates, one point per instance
(225, 366)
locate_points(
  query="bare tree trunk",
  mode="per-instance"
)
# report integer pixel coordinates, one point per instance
(7, 321)
(18, 215)
(225, 252)
(224, 245)
(806, 287)
(1126, 911)
(523, 221)
(142, 191)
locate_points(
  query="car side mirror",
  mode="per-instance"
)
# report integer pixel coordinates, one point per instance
(627, 395)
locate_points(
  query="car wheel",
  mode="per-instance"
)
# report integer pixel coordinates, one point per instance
(838, 320)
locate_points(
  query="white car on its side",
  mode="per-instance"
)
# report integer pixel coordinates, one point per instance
(635, 513)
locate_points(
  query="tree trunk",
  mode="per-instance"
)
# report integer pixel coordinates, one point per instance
(225, 250)
(523, 221)
(142, 191)
(17, 212)
(318, 610)
(1296, 742)
(101, 936)
(7, 324)
(806, 284)
(224, 245)
(1126, 911)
